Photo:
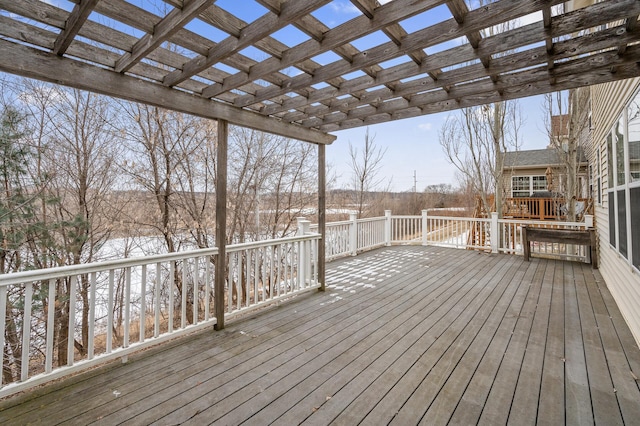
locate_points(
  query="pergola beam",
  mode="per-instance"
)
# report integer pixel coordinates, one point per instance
(349, 31)
(290, 10)
(491, 14)
(76, 20)
(34, 63)
(534, 57)
(595, 69)
(572, 22)
(163, 30)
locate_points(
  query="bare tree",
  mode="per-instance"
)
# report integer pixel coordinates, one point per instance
(81, 163)
(565, 121)
(475, 141)
(365, 167)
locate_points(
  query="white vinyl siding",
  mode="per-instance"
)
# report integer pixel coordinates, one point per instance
(608, 102)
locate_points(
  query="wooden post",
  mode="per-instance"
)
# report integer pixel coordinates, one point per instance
(221, 222)
(304, 255)
(588, 221)
(322, 217)
(425, 230)
(526, 248)
(387, 228)
(495, 236)
(353, 234)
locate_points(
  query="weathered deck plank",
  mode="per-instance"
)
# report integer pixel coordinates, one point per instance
(474, 400)
(403, 335)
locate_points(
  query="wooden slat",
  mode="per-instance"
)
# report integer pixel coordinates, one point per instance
(578, 410)
(551, 405)
(491, 14)
(102, 35)
(605, 406)
(76, 20)
(385, 15)
(490, 46)
(163, 30)
(44, 66)
(489, 388)
(260, 28)
(381, 94)
(374, 353)
(482, 93)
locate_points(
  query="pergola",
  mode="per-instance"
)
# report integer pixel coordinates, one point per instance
(194, 59)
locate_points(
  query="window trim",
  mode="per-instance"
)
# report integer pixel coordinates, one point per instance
(531, 190)
(616, 190)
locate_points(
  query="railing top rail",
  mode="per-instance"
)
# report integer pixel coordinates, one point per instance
(64, 271)
(408, 216)
(460, 218)
(265, 243)
(543, 198)
(372, 219)
(540, 222)
(340, 223)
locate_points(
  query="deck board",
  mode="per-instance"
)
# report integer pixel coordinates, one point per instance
(403, 335)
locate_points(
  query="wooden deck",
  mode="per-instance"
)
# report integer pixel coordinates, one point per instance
(404, 335)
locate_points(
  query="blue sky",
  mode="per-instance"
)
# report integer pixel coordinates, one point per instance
(412, 144)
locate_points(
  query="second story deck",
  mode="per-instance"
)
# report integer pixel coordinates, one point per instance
(402, 335)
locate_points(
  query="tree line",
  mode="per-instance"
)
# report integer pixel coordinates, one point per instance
(79, 170)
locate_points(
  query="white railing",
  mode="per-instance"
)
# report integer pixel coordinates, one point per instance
(267, 271)
(113, 308)
(121, 306)
(349, 237)
(492, 234)
(371, 233)
(406, 229)
(338, 239)
(511, 239)
(459, 232)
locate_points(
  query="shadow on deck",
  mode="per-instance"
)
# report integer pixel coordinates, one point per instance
(403, 335)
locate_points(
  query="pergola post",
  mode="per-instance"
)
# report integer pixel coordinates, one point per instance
(221, 222)
(322, 219)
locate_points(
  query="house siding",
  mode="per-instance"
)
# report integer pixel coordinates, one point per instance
(622, 279)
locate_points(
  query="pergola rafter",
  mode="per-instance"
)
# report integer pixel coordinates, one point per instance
(162, 31)
(73, 24)
(420, 57)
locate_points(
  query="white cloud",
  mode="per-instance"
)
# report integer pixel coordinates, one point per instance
(425, 126)
(347, 8)
(344, 7)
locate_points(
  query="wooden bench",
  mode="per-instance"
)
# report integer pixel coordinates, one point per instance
(563, 236)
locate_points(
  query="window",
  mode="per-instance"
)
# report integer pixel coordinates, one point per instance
(539, 183)
(520, 186)
(634, 195)
(610, 160)
(525, 186)
(634, 140)
(623, 163)
(598, 178)
(618, 140)
(591, 181)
